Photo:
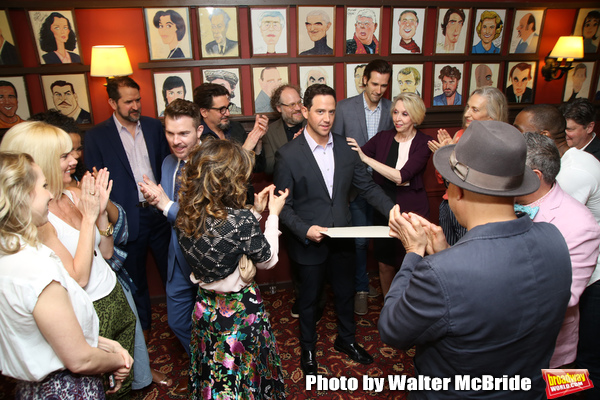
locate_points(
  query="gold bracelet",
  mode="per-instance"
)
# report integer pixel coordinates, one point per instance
(109, 230)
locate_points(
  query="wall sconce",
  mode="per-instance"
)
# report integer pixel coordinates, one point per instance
(560, 59)
(110, 61)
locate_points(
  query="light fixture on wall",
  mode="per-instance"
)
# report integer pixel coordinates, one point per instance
(110, 61)
(560, 59)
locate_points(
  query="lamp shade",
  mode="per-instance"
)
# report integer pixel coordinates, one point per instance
(568, 47)
(108, 61)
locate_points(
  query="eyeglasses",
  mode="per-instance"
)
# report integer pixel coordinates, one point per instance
(293, 105)
(270, 25)
(364, 25)
(223, 110)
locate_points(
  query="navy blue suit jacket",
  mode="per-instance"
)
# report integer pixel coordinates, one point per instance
(103, 148)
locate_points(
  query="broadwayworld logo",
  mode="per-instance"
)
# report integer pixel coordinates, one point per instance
(561, 382)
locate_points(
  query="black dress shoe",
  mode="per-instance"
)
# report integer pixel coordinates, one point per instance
(354, 350)
(308, 362)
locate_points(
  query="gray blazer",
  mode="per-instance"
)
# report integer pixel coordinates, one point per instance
(273, 140)
(350, 119)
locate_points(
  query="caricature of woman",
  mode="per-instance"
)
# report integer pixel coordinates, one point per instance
(171, 28)
(56, 38)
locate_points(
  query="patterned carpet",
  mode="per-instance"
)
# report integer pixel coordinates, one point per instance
(168, 356)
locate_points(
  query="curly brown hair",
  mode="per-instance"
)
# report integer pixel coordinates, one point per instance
(215, 178)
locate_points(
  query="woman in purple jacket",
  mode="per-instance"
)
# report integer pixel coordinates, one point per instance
(398, 159)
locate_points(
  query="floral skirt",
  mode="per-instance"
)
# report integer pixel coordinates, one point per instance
(62, 385)
(233, 351)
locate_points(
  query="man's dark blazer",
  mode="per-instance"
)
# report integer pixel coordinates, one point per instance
(103, 148)
(8, 56)
(594, 147)
(83, 117)
(213, 48)
(350, 119)
(526, 98)
(273, 140)
(309, 203)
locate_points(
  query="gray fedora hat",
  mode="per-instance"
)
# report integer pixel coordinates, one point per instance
(489, 159)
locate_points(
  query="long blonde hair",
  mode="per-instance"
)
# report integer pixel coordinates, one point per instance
(46, 144)
(17, 182)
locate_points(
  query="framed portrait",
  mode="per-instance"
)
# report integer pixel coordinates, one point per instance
(588, 26)
(488, 31)
(228, 77)
(55, 35)
(354, 78)
(448, 84)
(17, 107)
(452, 30)
(520, 79)
(407, 78)
(9, 52)
(363, 30)
(168, 33)
(265, 79)
(407, 29)
(484, 74)
(171, 85)
(69, 94)
(316, 30)
(525, 33)
(219, 36)
(311, 74)
(579, 81)
(269, 27)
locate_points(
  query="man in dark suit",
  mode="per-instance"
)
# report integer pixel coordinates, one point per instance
(319, 169)
(519, 76)
(183, 128)
(8, 52)
(495, 301)
(361, 117)
(219, 21)
(580, 115)
(132, 146)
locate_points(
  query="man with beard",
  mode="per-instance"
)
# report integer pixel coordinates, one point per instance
(9, 102)
(407, 25)
(215, 105)
(65, 100)
(132, 146)
(317, 24)
(450, 77)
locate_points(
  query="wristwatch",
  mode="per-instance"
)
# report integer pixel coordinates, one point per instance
(109, 230)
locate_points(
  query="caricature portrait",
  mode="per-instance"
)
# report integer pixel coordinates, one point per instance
(452, 30)
(588, 26)
(407, 30)
(55, 36)
(316, 30)
(68, 94)
(406, 78)
(578, 82)
(527, 26)
(447, 85)
(487, 38)
(486, 74)
(269, 31)
(8, 51)
(229, 78)
(14, 106)
(354, 78)
(266, 79)
(362, 30)
(218, 32)
(168, 33)
(171, 85)
(519, 85)
(311, 74)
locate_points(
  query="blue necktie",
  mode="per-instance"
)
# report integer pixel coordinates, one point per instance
(531, 211)
(177, 181)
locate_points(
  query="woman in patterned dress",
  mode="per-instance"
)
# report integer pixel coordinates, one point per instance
(233, 351)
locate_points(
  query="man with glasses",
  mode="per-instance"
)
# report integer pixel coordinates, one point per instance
(364, 40)
(215, 106)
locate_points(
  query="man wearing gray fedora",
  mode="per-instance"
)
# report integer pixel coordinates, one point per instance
(491, 306)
